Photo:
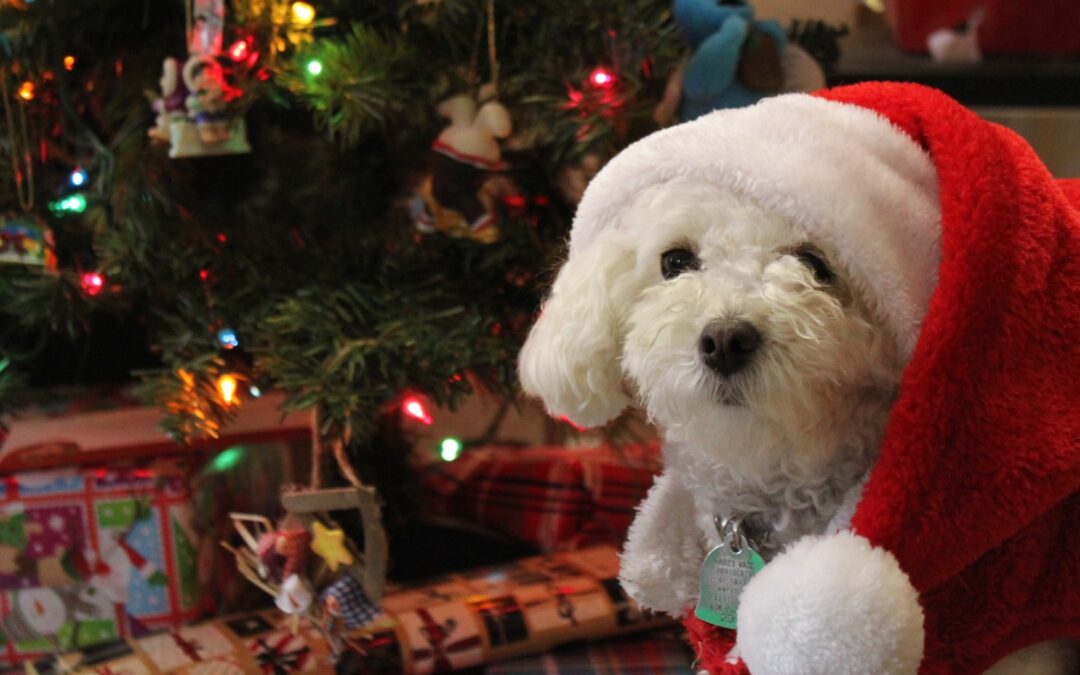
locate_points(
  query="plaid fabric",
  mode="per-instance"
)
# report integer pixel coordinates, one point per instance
(553, 498)
(356, 608)
(659, 653)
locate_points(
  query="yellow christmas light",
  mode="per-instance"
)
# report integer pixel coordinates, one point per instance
(227, 386)
(69, 62)
(303, 14)
(26, 91)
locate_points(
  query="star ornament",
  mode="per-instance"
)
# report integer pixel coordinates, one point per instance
(330, 546)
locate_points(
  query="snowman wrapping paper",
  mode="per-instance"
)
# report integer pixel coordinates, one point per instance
(89, 555)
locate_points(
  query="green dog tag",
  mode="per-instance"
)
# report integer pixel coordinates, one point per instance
(724, 574)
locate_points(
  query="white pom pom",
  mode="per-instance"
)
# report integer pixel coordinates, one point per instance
(831, 606)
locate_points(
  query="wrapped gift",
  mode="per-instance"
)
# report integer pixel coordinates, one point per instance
(499, 613)
(553, 498)
(457, 622)
(91, 554)
(97, 540)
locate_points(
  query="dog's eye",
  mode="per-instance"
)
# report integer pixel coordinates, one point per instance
(676, 261)
(816, 262)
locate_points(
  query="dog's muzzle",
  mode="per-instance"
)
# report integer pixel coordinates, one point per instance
(728, 346)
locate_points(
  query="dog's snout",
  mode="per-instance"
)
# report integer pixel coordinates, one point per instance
(727, 346)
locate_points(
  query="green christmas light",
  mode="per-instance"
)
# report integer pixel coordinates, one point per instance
(72, 204)
(450, 449)
(226, 459)
(314, 66)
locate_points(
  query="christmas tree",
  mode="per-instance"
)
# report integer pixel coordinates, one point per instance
(285, 223)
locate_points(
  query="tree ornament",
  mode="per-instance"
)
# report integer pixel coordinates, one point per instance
(283, 553)
(345, 600)
(461, 195)
(295, 596)
(193, 112)
(329, 544)
(26, 240)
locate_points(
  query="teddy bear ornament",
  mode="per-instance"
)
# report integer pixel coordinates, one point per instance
(853, 318)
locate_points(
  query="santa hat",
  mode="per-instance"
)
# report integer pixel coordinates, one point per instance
(965, 544)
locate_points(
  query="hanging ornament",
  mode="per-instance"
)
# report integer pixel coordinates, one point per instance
(206, 25)
(194, 114)
(467, 183)
(26, 240)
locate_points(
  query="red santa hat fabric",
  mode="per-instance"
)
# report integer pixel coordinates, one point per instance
(976, 490)
(970, 251)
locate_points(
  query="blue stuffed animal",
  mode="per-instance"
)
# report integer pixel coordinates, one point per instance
(719, 32)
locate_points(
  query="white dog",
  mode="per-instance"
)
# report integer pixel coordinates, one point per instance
(758, 353)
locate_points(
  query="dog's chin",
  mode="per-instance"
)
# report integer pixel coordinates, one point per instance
(729, 396)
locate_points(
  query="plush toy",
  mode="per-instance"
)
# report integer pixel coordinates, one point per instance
(461, 195)
(737, 60)
(853, 317)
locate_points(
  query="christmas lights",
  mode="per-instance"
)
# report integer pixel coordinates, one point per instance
(92, 283)
(450, 449)
(227, 387)
(414, 408)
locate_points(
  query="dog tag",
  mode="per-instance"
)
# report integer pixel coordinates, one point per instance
(724, 574)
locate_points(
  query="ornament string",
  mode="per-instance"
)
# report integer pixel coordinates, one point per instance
(493, 57)
(22, 160)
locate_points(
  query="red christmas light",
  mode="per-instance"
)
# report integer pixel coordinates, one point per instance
(414, 408)
(602, 78)
(239, 50)
(92, 283)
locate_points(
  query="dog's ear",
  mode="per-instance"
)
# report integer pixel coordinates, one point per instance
(571, 358)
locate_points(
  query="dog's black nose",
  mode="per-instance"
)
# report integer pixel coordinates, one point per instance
(727, 346)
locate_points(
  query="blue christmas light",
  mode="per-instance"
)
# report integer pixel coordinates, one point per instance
(78, 178)
(227, 338)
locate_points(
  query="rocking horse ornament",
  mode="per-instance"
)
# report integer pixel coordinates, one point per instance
(276, 557)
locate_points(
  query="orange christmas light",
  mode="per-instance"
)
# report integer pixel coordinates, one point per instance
(26, 91)
(227, 386)
(69, 62)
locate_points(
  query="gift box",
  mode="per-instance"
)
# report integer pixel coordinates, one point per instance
(459, 621)
(551, 497)
(97, 540)
(91, 554)
(500, 613)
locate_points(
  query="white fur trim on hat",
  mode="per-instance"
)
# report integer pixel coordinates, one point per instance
(843, 173)
(831, 605)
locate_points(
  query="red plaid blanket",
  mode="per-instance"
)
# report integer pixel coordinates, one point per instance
(552, 497)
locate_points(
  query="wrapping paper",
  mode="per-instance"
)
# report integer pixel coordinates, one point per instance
(92, 554)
